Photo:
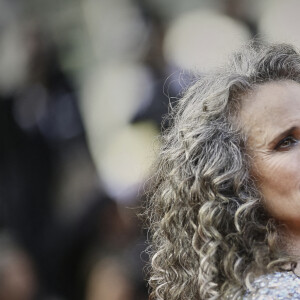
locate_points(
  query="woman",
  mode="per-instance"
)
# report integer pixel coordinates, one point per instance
(224, 207)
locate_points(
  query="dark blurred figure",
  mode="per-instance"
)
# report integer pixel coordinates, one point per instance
(167, 83)
(40, 129)
(105, 230)
(46, 170)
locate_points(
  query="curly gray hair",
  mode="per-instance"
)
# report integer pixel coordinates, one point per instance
(210, 232)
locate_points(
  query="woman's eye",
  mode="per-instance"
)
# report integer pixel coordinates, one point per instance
(286, 143)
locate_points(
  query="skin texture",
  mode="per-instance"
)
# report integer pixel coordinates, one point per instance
(267, 115)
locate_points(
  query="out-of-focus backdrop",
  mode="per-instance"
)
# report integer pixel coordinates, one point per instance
(84, 86)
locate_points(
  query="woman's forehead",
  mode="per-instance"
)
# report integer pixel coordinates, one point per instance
(270, 109)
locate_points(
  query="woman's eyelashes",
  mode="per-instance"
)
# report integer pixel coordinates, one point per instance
(286, 143)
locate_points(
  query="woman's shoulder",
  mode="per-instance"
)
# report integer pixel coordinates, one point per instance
(278, 285)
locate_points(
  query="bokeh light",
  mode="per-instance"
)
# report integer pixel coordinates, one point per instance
(203, 39)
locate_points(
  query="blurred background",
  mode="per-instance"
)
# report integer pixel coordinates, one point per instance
(84, 86)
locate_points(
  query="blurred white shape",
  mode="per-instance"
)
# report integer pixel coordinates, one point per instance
(201, 40)
(116, 29)
(111, 96)
(280, 21)
(126, 160)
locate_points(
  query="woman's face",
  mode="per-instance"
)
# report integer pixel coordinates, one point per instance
(270, 116)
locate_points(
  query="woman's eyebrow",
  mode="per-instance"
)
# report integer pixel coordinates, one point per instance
(282, 135)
